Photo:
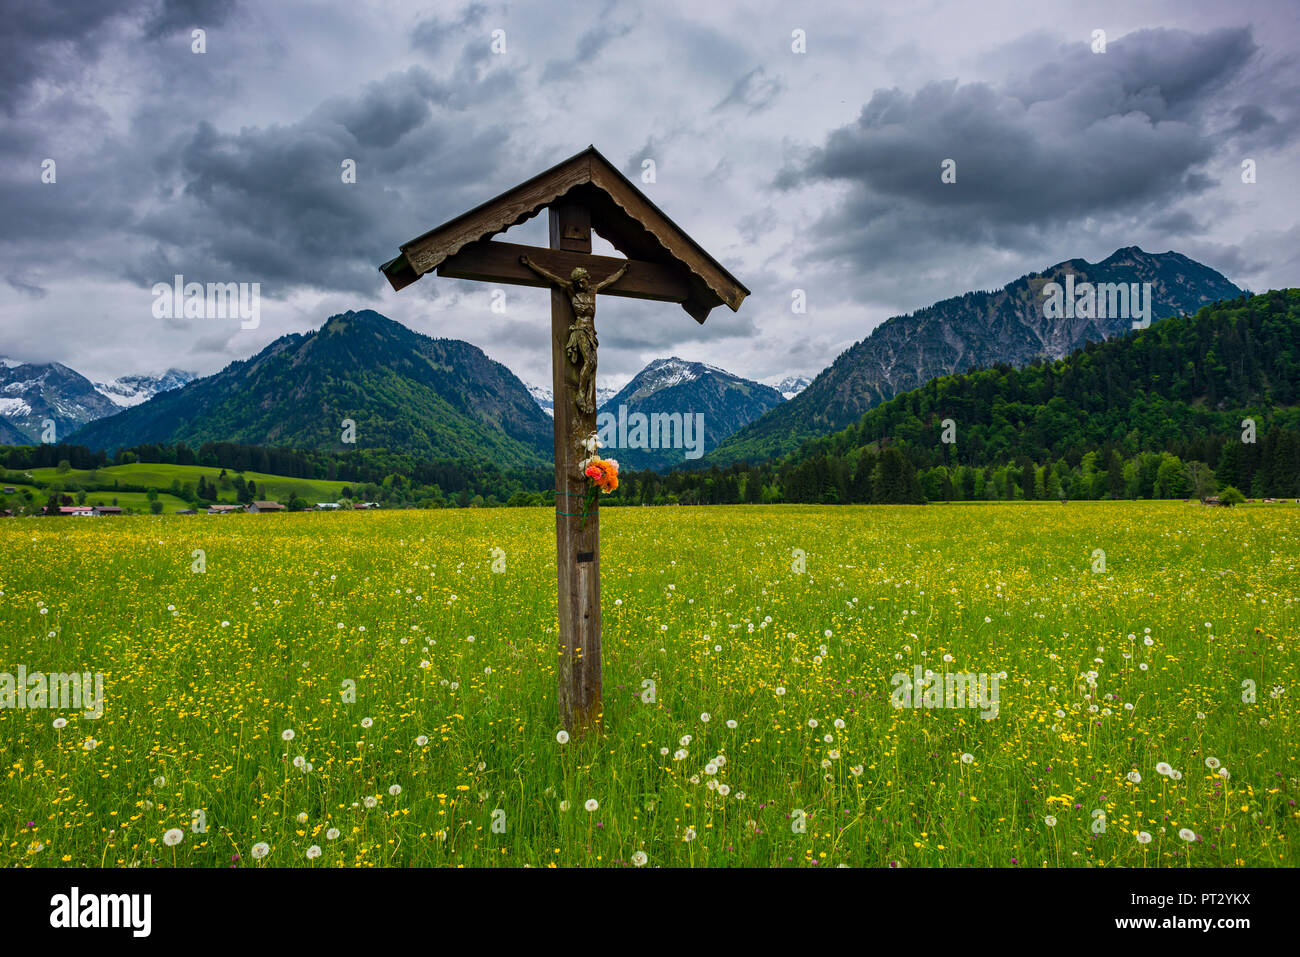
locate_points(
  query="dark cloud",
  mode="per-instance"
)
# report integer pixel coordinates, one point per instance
(1108, 137)
(432, 33)
(185, 15)
(29, 289)
(227, 167)
(755, 91)
(41, 39)
(591, 43)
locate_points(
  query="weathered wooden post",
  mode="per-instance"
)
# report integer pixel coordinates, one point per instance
(583, 193)
(577, 537)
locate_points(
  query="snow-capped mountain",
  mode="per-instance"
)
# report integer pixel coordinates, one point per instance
(31, 394)
(791, 385)
(546, 400)
(720, 401)
(130, 390)
(664, 374)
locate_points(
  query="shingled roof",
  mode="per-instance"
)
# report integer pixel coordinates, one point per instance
(620, 213)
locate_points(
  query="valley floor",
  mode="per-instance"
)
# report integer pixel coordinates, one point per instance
(379, 688)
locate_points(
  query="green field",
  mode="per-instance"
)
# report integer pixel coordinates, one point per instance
(771, 635)
(161, 476)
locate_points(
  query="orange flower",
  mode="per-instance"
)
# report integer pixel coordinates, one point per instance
(604, 473)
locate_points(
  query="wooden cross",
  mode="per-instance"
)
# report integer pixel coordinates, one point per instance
(583, 193)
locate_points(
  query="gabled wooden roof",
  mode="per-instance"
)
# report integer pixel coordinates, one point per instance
(620, 212)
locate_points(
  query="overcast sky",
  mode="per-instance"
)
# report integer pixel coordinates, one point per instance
(817, 170)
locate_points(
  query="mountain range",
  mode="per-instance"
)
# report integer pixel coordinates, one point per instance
(975, 330)
(718, 401)
(131, 390)
(32, 393)
(360, 381)
(442, 399)
(545, 398)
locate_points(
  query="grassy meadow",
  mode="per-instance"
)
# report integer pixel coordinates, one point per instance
(770, 635)
(161, 476)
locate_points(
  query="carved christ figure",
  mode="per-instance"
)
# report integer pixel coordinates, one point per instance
(581, 347)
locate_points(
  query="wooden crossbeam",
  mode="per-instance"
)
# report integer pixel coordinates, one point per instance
(493, 261)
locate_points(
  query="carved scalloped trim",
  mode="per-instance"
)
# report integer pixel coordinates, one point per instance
(670, 250)
(426, 260)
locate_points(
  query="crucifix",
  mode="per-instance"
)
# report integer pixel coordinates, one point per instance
(583, 193)
(580, 349)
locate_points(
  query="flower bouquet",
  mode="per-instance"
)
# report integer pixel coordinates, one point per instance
(601, 473)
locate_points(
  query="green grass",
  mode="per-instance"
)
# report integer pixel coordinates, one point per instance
(205, 671)
(161, 476)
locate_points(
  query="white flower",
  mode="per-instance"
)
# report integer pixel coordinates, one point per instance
(300, 762)
(680, 754)
(812, 722)
(591, 804)
(639, 858)
(710, 768)
(367, 722)
(421, 740)
(1135, 777)
(685, 740)
(732, 724)
(1223, 773)
(833, 754)
(313, 852)
(332, 834)
(562, 737)
(967, 758)
(689, 835)
(1212, 763)
(1144, 837)
(371, 801)
(1187, 834)
(1175, 775)
(1163, 768)
(173, 837)
(664, 752)
(724, 790)
(287, 734)
(704, 716)
(260, 850)
(780, 691)
(302, 818)
(1049, 821)
(564, 805)
(395, 790)
(60, 722)
(857, 770)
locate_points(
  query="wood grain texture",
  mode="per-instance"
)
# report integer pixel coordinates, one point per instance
(495, 261)
(577, 583)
